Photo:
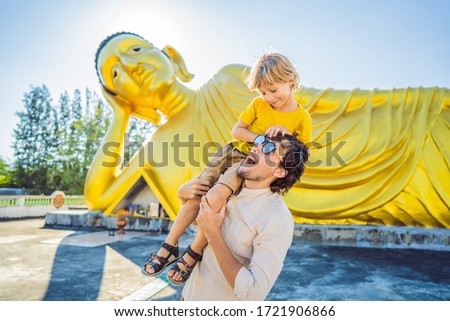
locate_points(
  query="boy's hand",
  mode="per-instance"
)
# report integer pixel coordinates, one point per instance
(274, 130)
(195, 188)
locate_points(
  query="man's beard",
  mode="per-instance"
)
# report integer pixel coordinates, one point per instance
(241, 172)
(247, 175)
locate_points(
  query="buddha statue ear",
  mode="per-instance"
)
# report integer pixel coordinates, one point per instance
(178, 64)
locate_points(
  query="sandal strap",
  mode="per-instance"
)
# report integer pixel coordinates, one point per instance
(161, 259)
(172, 249)
(187, 267)
(194, 255)
(184, 274)
(156, 266)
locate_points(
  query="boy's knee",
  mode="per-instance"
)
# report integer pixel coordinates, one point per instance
(216, 197)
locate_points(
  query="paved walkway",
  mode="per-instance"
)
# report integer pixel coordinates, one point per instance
(38, 263)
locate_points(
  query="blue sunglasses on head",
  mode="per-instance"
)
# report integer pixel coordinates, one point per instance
(267, 146)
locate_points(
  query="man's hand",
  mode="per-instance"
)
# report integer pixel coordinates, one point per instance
(209, 221)
(274, 130)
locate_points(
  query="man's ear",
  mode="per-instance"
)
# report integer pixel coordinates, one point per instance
(280, 172)
(178, 64)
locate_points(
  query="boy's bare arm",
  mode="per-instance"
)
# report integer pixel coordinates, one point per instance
(241, 132)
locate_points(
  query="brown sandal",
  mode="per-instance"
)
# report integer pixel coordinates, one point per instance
(174, 254)
(184, 274)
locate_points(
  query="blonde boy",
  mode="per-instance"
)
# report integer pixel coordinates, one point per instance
(274, 111)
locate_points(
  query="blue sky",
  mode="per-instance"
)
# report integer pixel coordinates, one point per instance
(338, 44)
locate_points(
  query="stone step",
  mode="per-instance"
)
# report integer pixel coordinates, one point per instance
(96, 219)
(401, 237)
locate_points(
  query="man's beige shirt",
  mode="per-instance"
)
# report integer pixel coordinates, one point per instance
(258, 229)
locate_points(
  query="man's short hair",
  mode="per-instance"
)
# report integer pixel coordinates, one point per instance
(294, 159)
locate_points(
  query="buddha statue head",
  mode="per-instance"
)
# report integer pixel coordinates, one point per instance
(138, 74)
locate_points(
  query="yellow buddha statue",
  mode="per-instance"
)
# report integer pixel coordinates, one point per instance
(378, 156)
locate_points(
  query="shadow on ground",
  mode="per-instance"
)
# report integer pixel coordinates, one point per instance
(311, 272)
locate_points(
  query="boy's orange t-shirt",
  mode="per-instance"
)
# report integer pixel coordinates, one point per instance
(259, 116)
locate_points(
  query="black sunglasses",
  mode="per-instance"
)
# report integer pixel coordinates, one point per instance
(267, 146)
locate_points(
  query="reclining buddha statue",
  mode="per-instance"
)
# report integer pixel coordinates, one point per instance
(377, 157)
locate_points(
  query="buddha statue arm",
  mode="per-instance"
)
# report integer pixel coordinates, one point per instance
(107, 162)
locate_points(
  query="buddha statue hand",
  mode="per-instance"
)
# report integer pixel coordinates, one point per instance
(118, 104)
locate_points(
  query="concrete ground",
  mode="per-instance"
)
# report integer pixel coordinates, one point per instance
(38, 263)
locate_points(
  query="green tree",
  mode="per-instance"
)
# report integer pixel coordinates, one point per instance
(139, 130)
(76, 139)
(33, 145)
(94, 126)
(5, 173)
(81, 135)
(61, 137)
(88, 102)
(54, 146)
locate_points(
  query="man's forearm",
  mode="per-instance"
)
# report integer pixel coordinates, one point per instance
(228, 264)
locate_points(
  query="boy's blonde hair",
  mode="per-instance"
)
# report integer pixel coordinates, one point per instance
(272, 68)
